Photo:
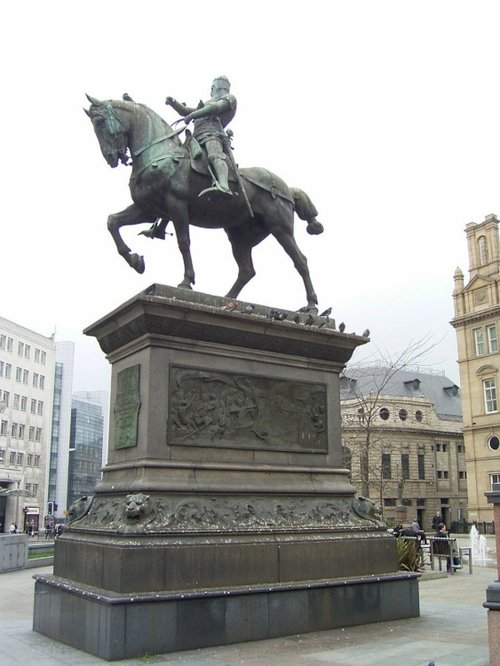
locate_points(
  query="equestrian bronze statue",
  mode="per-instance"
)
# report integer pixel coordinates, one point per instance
(166, 182)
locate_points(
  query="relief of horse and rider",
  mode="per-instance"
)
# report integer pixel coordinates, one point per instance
(225, 409)
(197, 181)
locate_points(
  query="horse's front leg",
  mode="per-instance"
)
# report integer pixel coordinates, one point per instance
(180, 218)
(131, 215)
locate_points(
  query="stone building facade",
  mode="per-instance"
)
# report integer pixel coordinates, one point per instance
(26, 395)
(476, 321)
(402, 437)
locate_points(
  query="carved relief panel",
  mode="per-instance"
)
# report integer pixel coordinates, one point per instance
(225, 409)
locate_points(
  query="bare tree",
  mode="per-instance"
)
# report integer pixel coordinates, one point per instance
(373, 377)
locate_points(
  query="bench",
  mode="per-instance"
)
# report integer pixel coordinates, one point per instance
(446, 548)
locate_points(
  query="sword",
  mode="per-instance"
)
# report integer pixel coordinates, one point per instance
(238, 177)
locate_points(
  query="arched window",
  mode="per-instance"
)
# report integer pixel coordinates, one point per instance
(483, 250)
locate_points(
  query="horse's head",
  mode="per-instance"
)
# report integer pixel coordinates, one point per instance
(112, 135)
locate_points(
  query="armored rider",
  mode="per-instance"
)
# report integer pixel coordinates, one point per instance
(210, 119)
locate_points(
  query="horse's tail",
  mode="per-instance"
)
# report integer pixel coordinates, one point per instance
(306, 210)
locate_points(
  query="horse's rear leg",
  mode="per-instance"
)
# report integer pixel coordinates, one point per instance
(242, 242)
(285, 238)
(131, 215)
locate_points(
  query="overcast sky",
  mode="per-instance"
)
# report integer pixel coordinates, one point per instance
(386, 113)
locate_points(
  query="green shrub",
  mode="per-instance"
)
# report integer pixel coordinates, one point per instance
(410, 555)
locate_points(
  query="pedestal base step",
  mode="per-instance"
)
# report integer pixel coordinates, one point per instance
(113, 626)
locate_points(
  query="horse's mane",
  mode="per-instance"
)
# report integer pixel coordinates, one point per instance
(126, 105)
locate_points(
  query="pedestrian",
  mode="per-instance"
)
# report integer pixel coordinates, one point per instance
(13, 528)
(442, 533)
(436, 520)
(418, 532)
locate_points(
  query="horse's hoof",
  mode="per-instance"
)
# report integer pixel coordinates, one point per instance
(137, 263)
(185, 285)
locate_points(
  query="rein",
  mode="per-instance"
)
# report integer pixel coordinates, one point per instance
(150, 143)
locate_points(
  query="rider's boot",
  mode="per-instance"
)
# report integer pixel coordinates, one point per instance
(222, 176)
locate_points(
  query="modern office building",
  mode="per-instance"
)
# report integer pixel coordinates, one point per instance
(27, 362)
(476, 321)
(402, 438)
(101, 397)
(86, 447)
(61, 428)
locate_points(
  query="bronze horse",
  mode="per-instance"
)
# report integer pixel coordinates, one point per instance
(163, 184)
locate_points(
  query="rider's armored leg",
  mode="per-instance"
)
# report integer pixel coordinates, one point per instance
(221, 173)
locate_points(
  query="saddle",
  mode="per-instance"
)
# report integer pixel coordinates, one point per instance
(199, 163)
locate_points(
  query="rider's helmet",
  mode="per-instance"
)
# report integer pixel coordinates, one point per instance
(221, 83)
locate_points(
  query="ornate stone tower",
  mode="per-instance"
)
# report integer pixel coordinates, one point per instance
(477, 315)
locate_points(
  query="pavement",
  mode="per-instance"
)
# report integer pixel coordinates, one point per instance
(452, 629)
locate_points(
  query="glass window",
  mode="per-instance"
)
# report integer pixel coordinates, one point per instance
(34, 488)
(3, 340)
(37, 355)
(479, 341)
(21, 431)
(419, 416)
(41, 382)
(2, 368)
(25, 376)
(24, 401)
(403, 414)
(38, 434)
(494, 478)
(27, 351)
(421, 466)
(43, 358)
(36, 461)
(13, 430)
(494, 443)
(490, 395)
(10, 344)
(384, 413)
(33, 406)
(405, 465)
(491, 332)
(17, 397)
(462, 474)
(20, 457)
(12, 458)
(31, 433)
(35, 379)
(3, 428)
(20, 348)
(39, 409)
(8, 370)
(19, 374)
(6, 397)
(386, 465)
(2, 454)
(29, 460)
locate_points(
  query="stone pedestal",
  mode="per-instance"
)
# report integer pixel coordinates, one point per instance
(492, 602)
(224, 513)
